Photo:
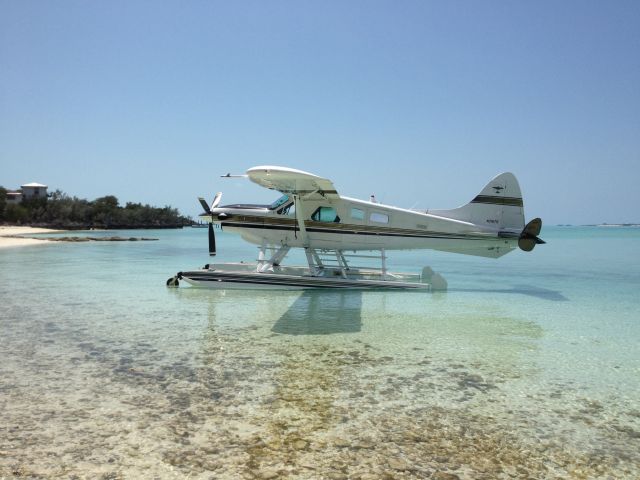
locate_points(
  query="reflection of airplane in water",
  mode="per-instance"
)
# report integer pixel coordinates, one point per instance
(321, 313)
(312, 215)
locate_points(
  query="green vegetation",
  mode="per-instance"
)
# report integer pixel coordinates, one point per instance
(3, 200)
(63, 211)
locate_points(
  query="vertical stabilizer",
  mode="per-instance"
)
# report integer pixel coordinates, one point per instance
(498, 205)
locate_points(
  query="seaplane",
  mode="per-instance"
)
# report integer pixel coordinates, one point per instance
(334, 231)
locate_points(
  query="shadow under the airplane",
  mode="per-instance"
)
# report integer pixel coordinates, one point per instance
(537, 292)
(322, 313)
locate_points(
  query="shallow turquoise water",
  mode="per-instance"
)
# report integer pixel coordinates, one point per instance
(529, 366)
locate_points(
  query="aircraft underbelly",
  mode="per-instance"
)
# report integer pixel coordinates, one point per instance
(487, 247)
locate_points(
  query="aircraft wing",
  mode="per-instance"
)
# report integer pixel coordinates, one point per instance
(292, 181)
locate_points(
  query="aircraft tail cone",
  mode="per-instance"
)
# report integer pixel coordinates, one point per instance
(529, 236)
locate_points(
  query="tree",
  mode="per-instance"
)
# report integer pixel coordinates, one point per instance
(16, 213)
(105, 210)
(3, 201)
(63, 211)
(109, 202)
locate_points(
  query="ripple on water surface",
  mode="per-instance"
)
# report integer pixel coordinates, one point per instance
(338, 385)
(104, 373)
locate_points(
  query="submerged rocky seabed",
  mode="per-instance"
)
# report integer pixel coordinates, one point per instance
(297, 390)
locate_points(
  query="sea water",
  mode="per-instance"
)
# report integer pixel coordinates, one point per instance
(527, 367)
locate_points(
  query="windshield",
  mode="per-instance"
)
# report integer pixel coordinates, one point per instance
(281, 201)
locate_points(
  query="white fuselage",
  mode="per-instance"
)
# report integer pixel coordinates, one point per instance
(351, 224)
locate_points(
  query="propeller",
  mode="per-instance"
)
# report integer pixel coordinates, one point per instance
(208, 210)
(216, 200)
(529, 236)
(212, 241)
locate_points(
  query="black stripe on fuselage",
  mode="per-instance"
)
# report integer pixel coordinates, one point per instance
(388, 232)
(494, 200)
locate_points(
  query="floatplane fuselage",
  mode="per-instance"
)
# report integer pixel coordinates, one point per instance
(310, 214)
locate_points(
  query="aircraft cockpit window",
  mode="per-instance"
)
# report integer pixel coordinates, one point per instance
(325, 214)
(279, 202)
(287, 210)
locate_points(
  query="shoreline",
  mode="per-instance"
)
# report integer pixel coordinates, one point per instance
(9, 238)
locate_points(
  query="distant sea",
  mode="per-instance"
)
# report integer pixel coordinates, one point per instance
(528, 367)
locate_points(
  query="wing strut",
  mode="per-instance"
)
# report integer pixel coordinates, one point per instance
(297, 204)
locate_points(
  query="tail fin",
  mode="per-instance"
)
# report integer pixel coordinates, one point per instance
(498, 205)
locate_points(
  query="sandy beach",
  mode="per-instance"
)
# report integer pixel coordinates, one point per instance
(7, 239)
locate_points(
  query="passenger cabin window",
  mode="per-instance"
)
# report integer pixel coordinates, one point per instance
(325, 214)
(357, 214)
(379, 217)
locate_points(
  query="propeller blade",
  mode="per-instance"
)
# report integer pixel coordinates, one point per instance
(204, 205)
(212, 241)
(216, 200)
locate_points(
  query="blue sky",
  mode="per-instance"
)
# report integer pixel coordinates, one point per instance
(418, 102)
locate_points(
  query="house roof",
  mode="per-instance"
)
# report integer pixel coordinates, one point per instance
(33, 184)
